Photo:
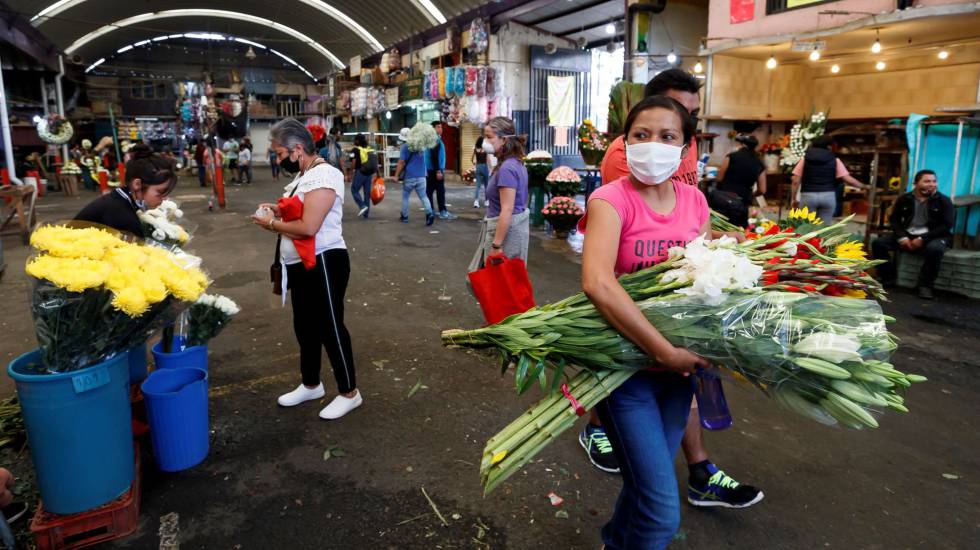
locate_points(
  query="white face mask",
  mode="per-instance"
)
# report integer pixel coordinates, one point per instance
(488, 147)
(653, 163)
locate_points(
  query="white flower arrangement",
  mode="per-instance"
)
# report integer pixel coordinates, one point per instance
(800, 136)
(538, 154)
(223, 303)
(63, 135)
(715, 267)
(422, 137)
(208, 316)
(161, 223)
(71, 168)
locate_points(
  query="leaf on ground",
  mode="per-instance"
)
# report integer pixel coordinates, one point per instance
(333, 451)
(415, 389)
(680, 535)
(951, 476)
(561, 514)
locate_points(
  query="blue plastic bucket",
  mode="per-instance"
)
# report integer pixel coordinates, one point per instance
(177, 409)
(79, 431)
(195, 357)
(137, 364)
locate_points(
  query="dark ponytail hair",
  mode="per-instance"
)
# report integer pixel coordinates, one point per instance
(150, 168)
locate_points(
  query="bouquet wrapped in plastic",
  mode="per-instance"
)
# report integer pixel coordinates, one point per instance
(209, 315)
(96, 294)
(162, 225)
(821, 356)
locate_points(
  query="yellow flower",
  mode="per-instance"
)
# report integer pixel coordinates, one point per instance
(68, 242)
(131, 301)
(804, 214)
(851, 250)
(71, 274)
(854, 293)
(154, 289)
(587, 122)
(498, 457)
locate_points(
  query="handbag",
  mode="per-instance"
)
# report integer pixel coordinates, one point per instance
(377, 190)
(502, 288)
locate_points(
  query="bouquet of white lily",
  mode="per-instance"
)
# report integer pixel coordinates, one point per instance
(207, 317)
(161, 224)
(821, 356)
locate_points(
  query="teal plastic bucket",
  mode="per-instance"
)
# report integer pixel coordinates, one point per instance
(137, 364)
(79, 431)
(195, 357)
(177, 410)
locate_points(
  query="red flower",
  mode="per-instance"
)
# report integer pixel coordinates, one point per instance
(791, 288)
(809, 288)
(773, 261)
(770, 278)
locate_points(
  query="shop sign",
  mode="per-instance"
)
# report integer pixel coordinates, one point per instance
(809, 45)
(410, 89)
(355, 66)
(391, 96)
(741, 11)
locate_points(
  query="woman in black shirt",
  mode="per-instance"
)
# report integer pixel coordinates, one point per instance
(482, 170)
(149, 179)
(739, 172)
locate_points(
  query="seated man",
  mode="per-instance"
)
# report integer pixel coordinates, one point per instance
(922, 223)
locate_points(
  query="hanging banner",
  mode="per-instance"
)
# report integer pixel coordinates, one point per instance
(741, 11)
(561, 101)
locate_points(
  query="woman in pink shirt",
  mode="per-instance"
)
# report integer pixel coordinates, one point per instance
(632, 222)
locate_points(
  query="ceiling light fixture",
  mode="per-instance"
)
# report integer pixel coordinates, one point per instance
(698, 68)
(610, 28)
(771, 64)
(880, 65)
(835, 69)
(943, 54)
(876, 47)
(815, 55)
(671, 57)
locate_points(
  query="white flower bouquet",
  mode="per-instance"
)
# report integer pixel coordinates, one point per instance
(54, 129)
(161, 224)
(800, 136)
(422, 137)
(208, 317)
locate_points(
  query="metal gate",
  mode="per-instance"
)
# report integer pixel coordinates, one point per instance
(574, 63)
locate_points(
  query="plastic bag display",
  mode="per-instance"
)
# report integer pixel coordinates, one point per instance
(358, 102)
(471, 75)
(427, 86)
(459, 81)
(442, 76)
(492, 82)
(479, 39)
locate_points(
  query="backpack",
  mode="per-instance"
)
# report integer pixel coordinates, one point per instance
(371, 166)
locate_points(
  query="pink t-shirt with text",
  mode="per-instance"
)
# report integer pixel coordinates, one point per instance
(646, 236)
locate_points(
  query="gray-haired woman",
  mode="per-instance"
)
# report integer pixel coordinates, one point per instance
(506, 228)
(317, 292)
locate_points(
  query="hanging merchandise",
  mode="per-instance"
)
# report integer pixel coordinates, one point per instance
(375, 102)
(471, 74)
(358, 102)
(427, 86)
(344, 101)
(561, 101)
(478, 36)
(455, 114)
(434, 84)
(442, 83)
(492, 81)
(473, 110)
(460, 82)
(481, 81)
(186, 111)
(394, 59)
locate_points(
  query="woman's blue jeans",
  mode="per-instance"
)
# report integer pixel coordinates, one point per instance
(645, 420)
(482, 177)
(362, 184)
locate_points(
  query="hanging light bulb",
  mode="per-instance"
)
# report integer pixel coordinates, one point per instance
(835, 69)
(610, 28)
(671, 57)
(815, 55)
(698, 68)
(943, 54)
(880, 65)
(876, 47)
(771, 64)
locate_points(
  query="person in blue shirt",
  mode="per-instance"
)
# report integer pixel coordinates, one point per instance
(332, 152)
(412, 165)
(435, 160)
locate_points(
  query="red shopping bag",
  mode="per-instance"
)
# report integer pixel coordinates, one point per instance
(503, 288)
(377, 190)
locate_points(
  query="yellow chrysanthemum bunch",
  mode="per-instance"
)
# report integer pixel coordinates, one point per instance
(67, 242)
(138, 276)
(804, 215)
(851, 250)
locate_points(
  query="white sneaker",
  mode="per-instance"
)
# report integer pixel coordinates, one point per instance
(476, 203)
(300, 395)
(340, 406)
(362, 211)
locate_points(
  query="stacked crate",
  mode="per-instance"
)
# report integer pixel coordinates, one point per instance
(959, 273)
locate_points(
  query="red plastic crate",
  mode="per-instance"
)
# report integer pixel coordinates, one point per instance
(115, 520)
(140, 425)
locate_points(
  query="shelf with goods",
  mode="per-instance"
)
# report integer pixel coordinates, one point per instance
(874, 153)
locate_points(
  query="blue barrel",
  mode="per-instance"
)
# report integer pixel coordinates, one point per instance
(195, 357)
(177, 409)
(79, 431)
(137, 364)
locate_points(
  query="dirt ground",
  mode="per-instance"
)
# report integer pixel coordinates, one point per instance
(913, 483)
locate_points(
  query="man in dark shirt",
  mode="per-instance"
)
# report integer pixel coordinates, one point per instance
(922, 222)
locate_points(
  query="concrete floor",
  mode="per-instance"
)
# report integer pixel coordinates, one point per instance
(913, 483)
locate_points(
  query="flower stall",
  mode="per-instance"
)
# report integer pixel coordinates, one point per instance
(592, 143)
(539, 164)
(562, 213)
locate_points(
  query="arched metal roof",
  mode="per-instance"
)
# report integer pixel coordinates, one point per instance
(320, 34)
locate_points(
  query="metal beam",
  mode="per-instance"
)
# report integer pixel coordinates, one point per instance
(20, 34)
(588, 28)
(614, 39)
(571, 11)
(517, 11)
